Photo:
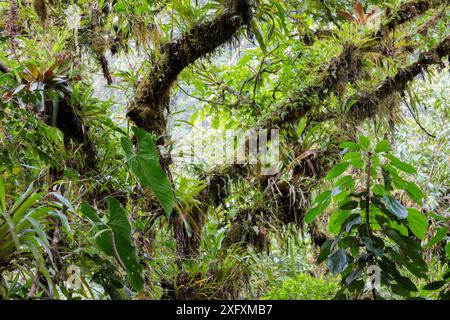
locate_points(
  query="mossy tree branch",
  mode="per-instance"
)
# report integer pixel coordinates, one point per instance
(152, 96)
(367, 105)
(347, 67)
(407, 12)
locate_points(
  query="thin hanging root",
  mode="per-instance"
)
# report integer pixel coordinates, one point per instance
(417, 120)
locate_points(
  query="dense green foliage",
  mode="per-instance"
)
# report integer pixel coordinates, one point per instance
(102, 107)
(304, 287)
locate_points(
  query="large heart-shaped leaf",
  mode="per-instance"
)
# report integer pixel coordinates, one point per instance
(114, 239)
(145, 165)
(121, 230)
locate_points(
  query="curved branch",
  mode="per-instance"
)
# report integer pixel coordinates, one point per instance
(368, 103)
(344, 68)
(407, 12)
(152, 96)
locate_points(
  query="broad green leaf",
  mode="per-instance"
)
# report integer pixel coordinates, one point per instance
(418, 223)
(301, 126)
(90, 212)
(336, 191)
(344, 181)
(395, 207)
(337, 170)
(447, 250)
(400, 164)
(324, 251)
(378, 189)
(121, 231)
(315, 211)
(338, 261)
(352, 156)
(399, 227)
(375, 159)
(364, 142)
(321, 203)
(350, 205)
(322, 197)
(374, 245)
(389, 267)
(357, 163)
(145, 165)
(336, 220)
(438, 217)
(350, 146)
(353, 220)
(338, 194)
(387, 177)
(102, 236)
(382, 146)
(414, 192)
(400, 290)
(409, 248)
(2, 195)
(406, 283)
(436, 285)
(351, 243)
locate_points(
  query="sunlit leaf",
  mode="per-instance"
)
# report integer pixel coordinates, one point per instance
(418, 223)
(145, 165)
